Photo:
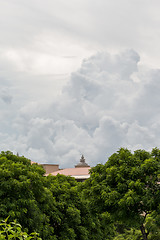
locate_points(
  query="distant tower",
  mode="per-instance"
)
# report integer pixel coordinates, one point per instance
(82, 163)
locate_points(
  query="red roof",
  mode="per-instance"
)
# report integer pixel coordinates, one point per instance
(84, 171)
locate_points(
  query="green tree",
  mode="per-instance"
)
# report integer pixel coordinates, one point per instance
(13, 230)
(22, 193)
(52, 206)
(131, 234)
(74, 219)
(127, 187)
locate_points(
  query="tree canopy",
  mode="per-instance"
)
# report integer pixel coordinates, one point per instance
(120, 200)
(52, 206)
(127, 187)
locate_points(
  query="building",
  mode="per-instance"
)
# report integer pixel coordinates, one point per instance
(49, 168)
(80, 172)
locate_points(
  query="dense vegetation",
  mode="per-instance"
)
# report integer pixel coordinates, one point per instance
(13, 230)
(121, 199)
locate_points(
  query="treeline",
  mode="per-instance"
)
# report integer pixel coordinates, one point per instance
(120, 201)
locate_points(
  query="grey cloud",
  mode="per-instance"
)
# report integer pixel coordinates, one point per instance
(5, 95)
(6, 98)
(101, 109)
(110, 101)
(102, 24)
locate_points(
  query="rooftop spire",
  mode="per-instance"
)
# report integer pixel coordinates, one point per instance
(82, 163)
(82, 160)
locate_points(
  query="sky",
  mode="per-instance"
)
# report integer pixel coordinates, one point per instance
(79, 77)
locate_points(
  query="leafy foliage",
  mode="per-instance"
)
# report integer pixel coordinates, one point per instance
(53, 206)
(127, 187)
(21, 191)
(13, 230)
(131, 234)
(121, 199)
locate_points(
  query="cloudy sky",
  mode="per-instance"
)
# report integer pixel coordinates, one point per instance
(79, 77)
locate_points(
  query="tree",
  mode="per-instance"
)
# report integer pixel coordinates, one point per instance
(127, 187)
(22, 193)
(51, 206)
(131, 234)
(74, 219)
(13, 230)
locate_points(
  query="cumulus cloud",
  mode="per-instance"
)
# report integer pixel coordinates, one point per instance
(112, 100)
(108, 103)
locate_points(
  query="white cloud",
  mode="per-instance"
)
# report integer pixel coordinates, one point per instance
(101, 109)
(112, 100)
